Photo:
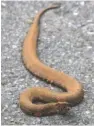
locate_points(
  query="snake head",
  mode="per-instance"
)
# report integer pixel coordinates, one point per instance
(63, 107)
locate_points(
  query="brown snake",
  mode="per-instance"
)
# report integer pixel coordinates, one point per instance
(53, 102)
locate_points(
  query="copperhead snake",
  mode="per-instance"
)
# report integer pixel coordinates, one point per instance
(53, 102)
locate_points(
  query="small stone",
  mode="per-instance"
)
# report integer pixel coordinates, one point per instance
(87, 112)
(4, 75)
(14, 46)
(70, 61)
(3, 4)
(6, 106)
(75, 13)
(69, 24)
(22, 79)
(8, 57)
(92, 79)
(12, 120)
(62, 54)
(89, 47)
(90, 33)
(33, 79)
(92, 107)
(53, 37)
(82, 3)
(14, 105)
(5, 118)
(86, 76)
(89, 21)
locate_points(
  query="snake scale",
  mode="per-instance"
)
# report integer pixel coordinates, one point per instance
(52, 102)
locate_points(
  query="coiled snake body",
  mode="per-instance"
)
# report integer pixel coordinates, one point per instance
(54, 102)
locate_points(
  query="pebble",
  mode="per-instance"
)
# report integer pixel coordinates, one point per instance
(75, 12)
(14, 105)
(82, 3)
(5, 118)
(3, 4)
(14, 46)
(87, 112)
(89, 47)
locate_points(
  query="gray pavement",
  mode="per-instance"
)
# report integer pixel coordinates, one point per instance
(66, 43)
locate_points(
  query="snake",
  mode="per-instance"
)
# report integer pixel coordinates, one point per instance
(49, 102)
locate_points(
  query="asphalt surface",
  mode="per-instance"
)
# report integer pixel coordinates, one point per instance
(66, 43)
